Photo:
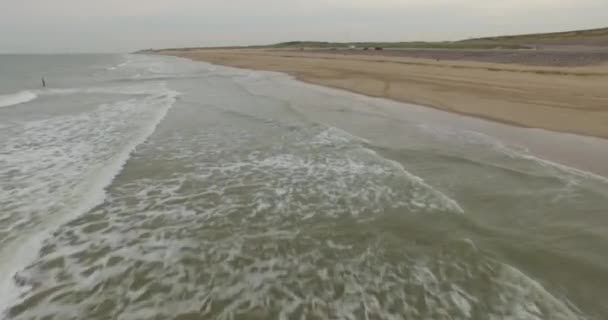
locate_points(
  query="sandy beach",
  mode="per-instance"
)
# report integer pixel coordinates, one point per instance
(195, 160)
(558, 98)
(162, 186)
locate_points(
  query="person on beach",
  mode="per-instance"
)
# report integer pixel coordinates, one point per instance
(43, 82)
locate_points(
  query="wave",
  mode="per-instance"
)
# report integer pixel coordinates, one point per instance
(20, 97)
(561, 171)
(118, 66)
(334, 136)
(25, 249)
(137, 89)
(557, 166)
(25, 96)
(444, 200)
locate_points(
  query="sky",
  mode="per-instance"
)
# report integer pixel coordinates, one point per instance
(54, 26)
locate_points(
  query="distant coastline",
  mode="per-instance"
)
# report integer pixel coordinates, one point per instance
(558, 85)
(581, 40)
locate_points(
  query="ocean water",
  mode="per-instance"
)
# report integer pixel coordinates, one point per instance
(148, 187)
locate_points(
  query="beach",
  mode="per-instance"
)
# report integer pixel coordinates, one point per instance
(344, 160)
(546, 93)
(151, 186)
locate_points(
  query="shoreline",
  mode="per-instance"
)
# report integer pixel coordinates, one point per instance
(583, 154)
(579, 154)
(560, 99)
(509, 123)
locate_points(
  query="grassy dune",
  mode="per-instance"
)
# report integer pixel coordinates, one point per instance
(370, 45)
(592, 37)
(598, 37)
(399, 45)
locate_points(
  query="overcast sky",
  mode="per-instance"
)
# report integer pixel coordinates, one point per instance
(126, 25)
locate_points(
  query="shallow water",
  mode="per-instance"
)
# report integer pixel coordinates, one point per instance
(144, 187)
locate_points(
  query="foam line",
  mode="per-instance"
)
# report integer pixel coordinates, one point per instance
(25, 249)
(17, 98)
(447, 201)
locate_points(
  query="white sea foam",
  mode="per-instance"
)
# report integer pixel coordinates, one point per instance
(578, 173)
(29, 95)
(132, 90)
(566, 173)
(17, 98)
(251, 272)
(115, 67)
(234, 227)
(77, 184)
(225, 235)
(445, 201)
(332, 136)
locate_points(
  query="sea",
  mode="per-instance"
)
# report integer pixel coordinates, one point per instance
(153, 187)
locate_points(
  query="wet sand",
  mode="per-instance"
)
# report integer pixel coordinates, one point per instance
(562, 99)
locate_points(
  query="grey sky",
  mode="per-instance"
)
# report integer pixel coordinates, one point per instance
(126, 25)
